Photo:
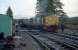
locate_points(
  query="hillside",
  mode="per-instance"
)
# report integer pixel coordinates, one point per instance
(73, 20)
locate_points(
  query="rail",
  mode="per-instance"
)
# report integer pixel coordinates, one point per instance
(65, 44)
(43, 44)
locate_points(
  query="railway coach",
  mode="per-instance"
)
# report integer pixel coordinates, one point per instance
(6, 25)
(46, 23)
(6, 38)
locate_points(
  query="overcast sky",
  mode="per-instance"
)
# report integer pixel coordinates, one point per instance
(22, 8)
(70, 7)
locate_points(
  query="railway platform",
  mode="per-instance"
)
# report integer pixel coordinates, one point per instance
(24, 42)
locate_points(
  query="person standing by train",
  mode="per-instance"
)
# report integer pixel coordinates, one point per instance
(62, 27)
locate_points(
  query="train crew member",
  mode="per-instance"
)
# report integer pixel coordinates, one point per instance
(62, 27)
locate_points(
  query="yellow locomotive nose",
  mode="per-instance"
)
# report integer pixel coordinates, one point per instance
(51, 20)
(51, 23)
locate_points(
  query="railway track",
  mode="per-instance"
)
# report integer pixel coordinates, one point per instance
(48, 43)
(74, 37)
(67, 36)
(65, 41)
(54, 41)
(44, 45)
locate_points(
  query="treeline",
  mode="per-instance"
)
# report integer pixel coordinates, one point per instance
(73, 21)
